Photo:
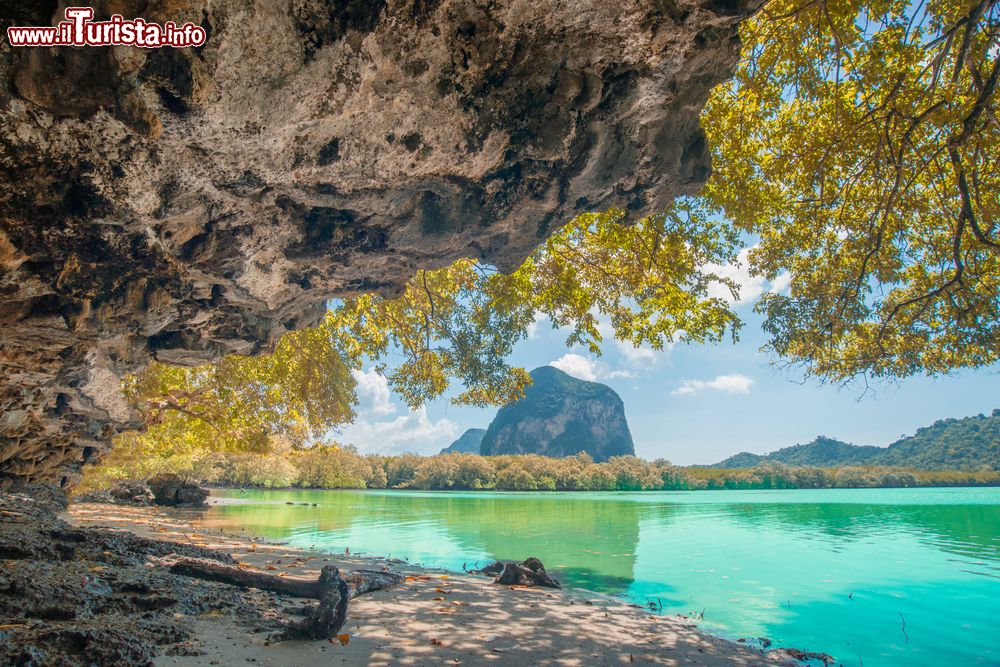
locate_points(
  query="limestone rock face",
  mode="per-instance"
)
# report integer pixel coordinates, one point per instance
(467, 443)
(183, 204)
(560, 415)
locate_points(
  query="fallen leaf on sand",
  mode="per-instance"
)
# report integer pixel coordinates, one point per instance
(344, 639)
(440, 590)
(437, 642)
(437, 599)
(270, 567)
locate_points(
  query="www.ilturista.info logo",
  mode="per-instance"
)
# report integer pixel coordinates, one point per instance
(79, 30)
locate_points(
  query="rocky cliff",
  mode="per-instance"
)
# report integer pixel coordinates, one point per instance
(467, 443)
(560, 415)
(182, 204)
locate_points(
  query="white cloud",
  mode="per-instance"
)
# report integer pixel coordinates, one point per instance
(579, 366)
(735, 383)
(535, 324)
(749, 287)
(781, 283)
(635, 355)
(373, 393)
(639, 358)
(413, 431)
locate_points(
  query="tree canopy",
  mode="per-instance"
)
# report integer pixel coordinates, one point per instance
(460, 322)
(296, 393)
(859, 141)
(648, 280)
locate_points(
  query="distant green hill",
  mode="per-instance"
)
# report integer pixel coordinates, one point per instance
(823, 451)
(950, 444)
(972, 443)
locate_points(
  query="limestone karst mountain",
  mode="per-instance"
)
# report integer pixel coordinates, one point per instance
(560, 415)
(467, 443)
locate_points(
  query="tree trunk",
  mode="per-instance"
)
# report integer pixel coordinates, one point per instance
(330, 614)
(359, 582)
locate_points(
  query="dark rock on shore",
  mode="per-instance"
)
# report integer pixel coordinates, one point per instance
(124, 493)
(529, 573)
(561, 415)
(78, 597)
(133, 493)
(172, 490)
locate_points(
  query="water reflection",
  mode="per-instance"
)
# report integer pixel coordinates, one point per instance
(591, 544)
(967, 530)
(592, 538)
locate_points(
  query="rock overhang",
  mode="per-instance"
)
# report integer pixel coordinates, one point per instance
(182, 204)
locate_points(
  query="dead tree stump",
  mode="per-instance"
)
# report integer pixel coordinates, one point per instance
(331, 613)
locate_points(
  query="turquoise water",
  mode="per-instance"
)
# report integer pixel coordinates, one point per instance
(838, 571)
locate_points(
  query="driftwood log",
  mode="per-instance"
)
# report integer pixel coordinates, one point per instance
(333, 589)
(359, 582)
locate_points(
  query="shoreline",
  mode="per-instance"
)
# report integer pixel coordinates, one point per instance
(218, 487)
(435, 617)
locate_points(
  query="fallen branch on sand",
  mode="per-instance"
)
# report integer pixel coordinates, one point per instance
(333, 589)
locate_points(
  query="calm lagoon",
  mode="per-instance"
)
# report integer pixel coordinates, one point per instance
(838, 571)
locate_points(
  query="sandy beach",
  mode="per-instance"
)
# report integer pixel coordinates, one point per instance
(433, 618)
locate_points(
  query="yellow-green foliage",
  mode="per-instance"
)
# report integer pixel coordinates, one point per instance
(337, 467)
(648, 279)
(265, 471)
(242, 403)
(859, 141)
(777, 476)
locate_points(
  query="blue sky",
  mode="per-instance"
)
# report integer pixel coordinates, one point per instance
(695, 403)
